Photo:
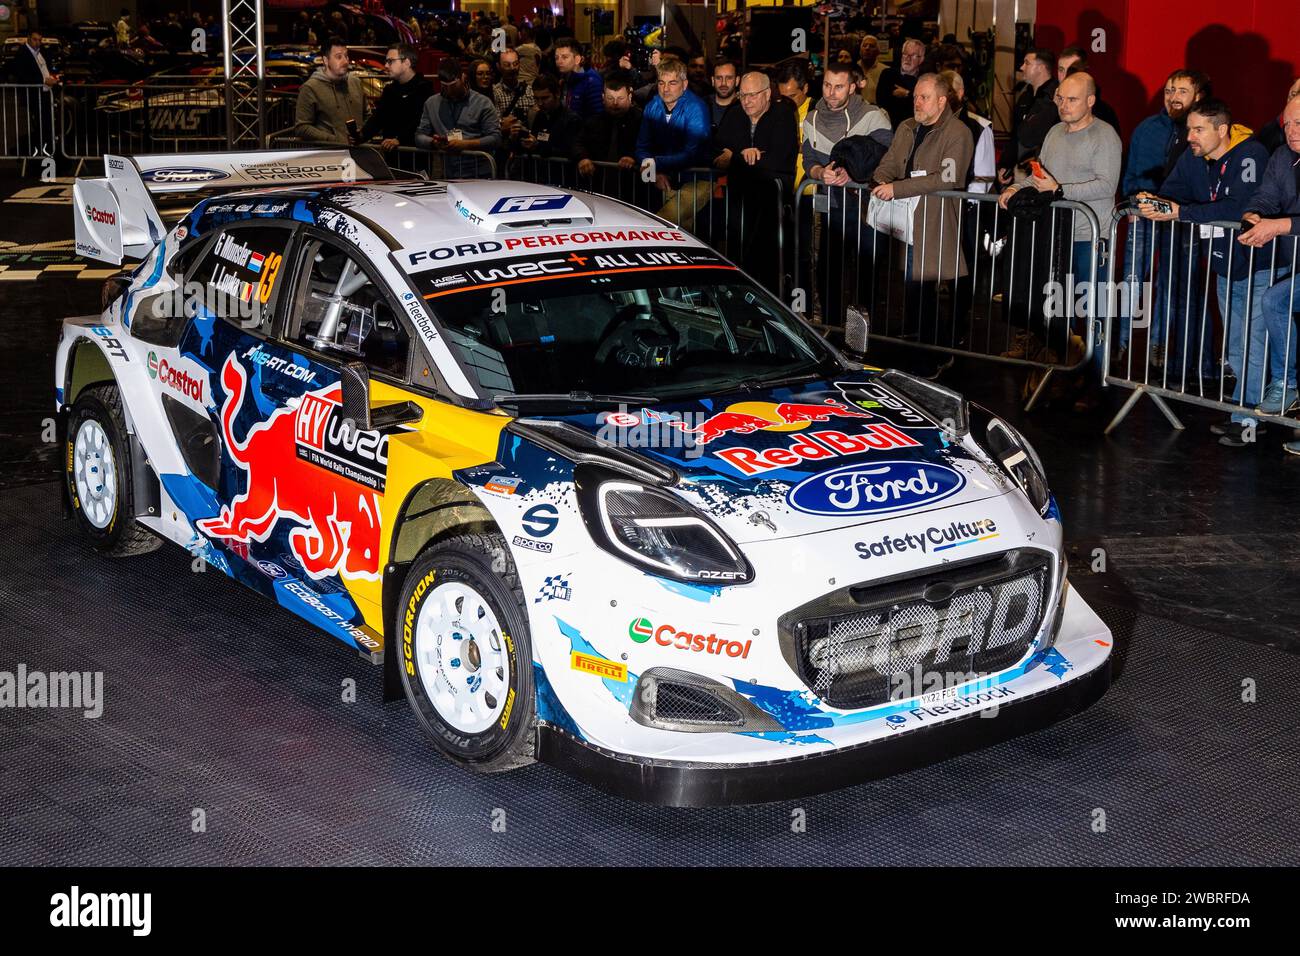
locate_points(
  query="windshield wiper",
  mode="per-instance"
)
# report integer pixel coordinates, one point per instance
(576, 398)
(752, 384)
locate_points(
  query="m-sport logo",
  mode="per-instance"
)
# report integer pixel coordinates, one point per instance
(875, 488)
(180, 175)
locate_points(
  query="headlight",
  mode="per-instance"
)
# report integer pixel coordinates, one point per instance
(656, 531)
(1019, 460)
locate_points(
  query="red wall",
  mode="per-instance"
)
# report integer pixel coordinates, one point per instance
(1249, 48)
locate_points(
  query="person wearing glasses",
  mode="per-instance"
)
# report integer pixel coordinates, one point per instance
(397, 114)
(759, 147)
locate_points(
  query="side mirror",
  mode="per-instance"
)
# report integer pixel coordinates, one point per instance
(857, 329)
(355, 379)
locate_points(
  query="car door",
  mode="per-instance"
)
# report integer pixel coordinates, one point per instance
(314, 505)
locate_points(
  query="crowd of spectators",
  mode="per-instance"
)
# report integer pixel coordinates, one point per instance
(713, 143)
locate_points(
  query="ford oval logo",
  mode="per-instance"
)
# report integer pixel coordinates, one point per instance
(876, 488)
(183, 175)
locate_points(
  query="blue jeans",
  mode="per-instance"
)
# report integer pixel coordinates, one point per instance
(1277, 305)
(1250, 368)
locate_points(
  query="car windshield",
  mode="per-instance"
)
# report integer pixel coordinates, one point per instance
(620, 329)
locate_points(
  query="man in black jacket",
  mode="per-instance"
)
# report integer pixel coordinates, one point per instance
(1034, 113)
(759, 144)
(28, 66)
(897, 82)
(401, 104)
(553, 134)
(610, 137)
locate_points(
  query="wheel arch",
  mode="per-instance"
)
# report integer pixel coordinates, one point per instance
(86, 365)
(433, 510)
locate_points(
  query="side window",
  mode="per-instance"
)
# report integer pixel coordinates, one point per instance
(343, 313)
(240, 272)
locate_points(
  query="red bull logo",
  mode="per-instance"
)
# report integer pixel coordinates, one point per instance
(305, 465)
(744, 418)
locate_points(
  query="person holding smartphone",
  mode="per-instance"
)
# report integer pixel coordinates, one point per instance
(331, 105)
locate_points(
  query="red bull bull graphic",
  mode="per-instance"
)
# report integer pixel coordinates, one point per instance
(305, 464)
(744, 418)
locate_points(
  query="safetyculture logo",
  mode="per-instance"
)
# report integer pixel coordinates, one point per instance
(935, 539)
(875, 488)
(530, 203)
(641, 630)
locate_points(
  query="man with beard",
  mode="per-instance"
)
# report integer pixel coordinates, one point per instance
(894, 91)
(330, 100)
(726, 80)
(512, 95)
(929, 153)
(1213, 181)
(580, 87)
(1157, 143)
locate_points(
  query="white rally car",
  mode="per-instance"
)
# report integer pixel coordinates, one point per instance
(589, 493)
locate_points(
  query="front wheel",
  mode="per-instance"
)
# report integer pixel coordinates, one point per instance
(466, 661)
(97, 468)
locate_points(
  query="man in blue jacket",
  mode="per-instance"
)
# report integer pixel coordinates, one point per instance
(582, 90)
(1212, 182)
(1274, 214)
(675, 137)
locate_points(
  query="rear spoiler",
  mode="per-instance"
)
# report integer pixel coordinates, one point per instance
(117, 216)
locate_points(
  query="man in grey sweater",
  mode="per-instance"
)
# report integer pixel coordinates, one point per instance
(458, 120)
(1082, 156)
(329, 99)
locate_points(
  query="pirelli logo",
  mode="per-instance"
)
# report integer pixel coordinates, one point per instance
(598, 666)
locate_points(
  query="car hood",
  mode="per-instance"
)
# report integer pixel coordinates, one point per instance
(802, 459)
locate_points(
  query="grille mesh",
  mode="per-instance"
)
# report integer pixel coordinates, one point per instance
(682, 704)
(979, 620)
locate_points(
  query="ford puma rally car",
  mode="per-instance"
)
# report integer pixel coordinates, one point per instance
(588, 493)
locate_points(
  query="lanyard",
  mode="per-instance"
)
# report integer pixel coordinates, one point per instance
(1214, 190)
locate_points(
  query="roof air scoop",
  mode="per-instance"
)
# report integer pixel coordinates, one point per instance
(492, 206)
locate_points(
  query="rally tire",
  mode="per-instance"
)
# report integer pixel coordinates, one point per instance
(97, 475)
(469, 568)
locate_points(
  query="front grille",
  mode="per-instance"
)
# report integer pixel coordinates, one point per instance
(861, 646)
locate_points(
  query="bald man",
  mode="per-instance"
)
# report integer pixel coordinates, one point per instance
(1081, 156)
(758, 144)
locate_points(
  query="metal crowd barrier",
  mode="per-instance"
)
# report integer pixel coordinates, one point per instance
(175, 116)
(749, 229)
(27, 121)
(1173, 305)
(431, 164)
(979, 282)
